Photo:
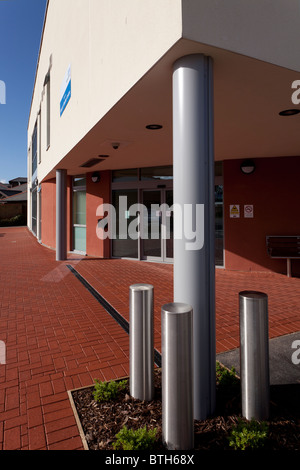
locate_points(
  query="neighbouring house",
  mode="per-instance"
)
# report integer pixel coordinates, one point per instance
(13, 202)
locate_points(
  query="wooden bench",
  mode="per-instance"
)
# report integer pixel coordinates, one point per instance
(284, 247)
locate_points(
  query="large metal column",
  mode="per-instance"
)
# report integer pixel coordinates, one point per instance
(61, 215)
(194, 264)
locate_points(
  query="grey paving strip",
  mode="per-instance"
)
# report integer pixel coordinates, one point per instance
(284, 366)
(282, 350)
(109, 308)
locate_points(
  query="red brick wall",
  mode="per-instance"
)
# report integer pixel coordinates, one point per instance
(273, 191)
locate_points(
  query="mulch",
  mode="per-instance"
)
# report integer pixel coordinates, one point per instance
(102, 421)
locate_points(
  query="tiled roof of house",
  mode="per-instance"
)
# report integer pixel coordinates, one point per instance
(14, 195)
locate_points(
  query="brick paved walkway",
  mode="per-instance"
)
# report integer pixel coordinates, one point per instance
(58, 337)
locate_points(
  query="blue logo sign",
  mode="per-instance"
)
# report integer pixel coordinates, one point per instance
(65, 91)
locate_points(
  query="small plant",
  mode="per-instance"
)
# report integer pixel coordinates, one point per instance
(226, 377)
(248, 435)
(140, 439)
(104, 391)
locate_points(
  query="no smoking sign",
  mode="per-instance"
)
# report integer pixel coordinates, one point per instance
(248, 211)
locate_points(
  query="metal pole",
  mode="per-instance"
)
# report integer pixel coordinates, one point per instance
(289, 267)
(141, 341)
(177, 376)
(254, 355)
(194, 263)
(61, 215)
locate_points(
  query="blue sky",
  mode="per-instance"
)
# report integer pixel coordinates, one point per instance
(21, 24)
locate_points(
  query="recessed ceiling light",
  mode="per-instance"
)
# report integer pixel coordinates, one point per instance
(154, 127)
(289, 112)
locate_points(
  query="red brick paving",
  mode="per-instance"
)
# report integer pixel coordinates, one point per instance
(283, 294)
(58, 337)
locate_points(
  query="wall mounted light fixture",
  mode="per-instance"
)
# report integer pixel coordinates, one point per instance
(248, 167)
(96, 177)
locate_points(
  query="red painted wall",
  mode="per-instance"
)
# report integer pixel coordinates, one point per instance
(49, 213)
(273, 189)
(96, 194)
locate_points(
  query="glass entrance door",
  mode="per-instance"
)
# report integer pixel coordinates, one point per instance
(79, 214)
(157, 226)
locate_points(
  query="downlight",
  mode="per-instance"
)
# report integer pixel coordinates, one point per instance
(154, 127)
(289, 112)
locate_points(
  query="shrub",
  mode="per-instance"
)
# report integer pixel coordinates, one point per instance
(225, 376)
(17, 220)
(226, 379)
(140, 439)
(104, 391)
(248, 435)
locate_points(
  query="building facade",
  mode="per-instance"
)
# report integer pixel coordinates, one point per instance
(141, 108)
(93, 101)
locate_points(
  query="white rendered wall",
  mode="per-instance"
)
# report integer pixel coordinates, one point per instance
(110, 45)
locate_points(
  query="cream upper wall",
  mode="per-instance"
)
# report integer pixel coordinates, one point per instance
(268, 30)
(110, 45)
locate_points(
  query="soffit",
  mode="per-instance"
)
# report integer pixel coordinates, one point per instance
(248, 95)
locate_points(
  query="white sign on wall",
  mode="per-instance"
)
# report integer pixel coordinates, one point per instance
(234, 211)
(248, 211)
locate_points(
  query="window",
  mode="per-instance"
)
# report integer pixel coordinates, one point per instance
(34, 153)
(125, 175)
(157, 173)
(40, 137)
(48, 115)
(34, 211)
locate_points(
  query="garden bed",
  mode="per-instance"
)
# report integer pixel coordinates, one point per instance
(100, 422)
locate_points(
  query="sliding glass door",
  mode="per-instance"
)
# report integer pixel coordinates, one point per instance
(153, 189)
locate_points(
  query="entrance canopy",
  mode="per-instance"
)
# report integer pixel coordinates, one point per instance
(249, 94)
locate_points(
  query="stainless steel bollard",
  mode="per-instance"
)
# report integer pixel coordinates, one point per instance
(177, 376)
(254, 355)
(141, 364)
